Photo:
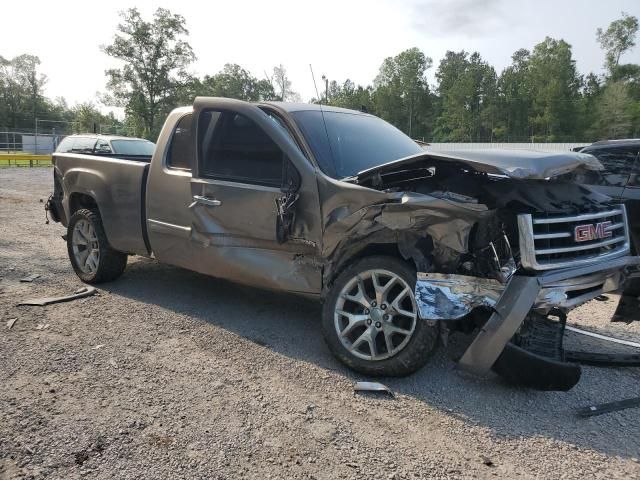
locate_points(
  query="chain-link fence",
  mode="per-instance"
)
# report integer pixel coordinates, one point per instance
(48, 134)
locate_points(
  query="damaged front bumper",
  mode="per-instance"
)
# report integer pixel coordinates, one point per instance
(451, 297)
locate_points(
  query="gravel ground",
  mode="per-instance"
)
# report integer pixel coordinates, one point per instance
(170, 374)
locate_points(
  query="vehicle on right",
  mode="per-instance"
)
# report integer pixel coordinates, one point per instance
(620, 180)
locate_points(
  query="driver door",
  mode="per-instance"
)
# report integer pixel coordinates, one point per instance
(246, 164)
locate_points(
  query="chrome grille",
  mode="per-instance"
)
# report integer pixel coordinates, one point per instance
(549, 241)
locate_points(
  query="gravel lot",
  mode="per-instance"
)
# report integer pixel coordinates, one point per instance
(170, 374)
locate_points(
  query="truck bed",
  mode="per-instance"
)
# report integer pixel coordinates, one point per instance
(117, 186)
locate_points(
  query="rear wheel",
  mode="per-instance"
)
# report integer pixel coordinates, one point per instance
(93, 260)
(370, 319)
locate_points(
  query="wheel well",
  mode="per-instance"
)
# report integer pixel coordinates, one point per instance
(386, 249)
(78, 201)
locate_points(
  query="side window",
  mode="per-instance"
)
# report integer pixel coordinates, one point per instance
(83, 145)
(233, 147)
(102, 146)
(180, 153)
(617, 162)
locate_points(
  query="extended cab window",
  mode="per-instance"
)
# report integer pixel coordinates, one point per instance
(180, 154)
(233, 147)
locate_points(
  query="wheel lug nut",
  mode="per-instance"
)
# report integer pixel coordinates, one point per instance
(378, 324)
(373, 304)
(385, 316)
(366, 311)
(369, 322)
(383, 306)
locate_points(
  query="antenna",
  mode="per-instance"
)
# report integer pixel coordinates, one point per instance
(313, 77)
(324, 122)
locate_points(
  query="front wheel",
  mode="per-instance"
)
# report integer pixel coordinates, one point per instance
(93, 260)
(370, 319)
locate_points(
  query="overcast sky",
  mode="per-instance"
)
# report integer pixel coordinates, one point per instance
(340, 38)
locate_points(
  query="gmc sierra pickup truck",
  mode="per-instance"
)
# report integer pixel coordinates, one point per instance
(403, 245)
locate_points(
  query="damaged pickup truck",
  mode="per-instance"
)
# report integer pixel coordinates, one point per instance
(403, 246)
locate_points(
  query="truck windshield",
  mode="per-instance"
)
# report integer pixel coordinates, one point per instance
(352, 142)
(132, 147)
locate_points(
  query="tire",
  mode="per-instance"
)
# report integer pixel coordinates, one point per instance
(632, 287)
(401, 345)
(101, 263)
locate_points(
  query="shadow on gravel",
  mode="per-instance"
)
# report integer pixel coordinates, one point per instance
(290, 325)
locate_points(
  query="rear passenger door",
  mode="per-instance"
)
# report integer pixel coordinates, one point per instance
(244, 159)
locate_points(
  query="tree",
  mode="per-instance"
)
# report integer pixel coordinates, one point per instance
(155, 58)
(515, 98)
(613, 109)
(554, 89)
(21, 90)
(617, 39)
(348, 95)
(468, 93)
(282, 85)
(401, 93)
(236, 82)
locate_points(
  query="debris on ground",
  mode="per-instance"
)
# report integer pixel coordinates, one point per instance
(593, 410)
(97, 347)
(30, 278)
(372, 387)
(11, 321)
(41, 302)
(487, 461)
(603, 337)
(42, 326)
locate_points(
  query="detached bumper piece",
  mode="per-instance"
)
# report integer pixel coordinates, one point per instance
(521, 367)
(537, 361)
(530, 365)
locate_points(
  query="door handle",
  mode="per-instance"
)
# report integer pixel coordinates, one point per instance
(210, 202)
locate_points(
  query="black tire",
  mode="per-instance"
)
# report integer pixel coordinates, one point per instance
(632, 287)
(111, 263)
(421, 344)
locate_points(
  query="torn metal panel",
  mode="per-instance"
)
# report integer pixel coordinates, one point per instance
(450, 297)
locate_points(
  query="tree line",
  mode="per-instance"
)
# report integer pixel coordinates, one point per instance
(539, 97)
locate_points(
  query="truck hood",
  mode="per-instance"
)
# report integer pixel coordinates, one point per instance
(516, 164)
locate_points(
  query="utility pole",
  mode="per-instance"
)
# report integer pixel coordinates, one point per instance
(326, 89)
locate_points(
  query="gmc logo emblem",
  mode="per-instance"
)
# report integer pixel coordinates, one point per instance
(585, 233)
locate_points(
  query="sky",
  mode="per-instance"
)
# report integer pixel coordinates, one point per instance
(340, 38)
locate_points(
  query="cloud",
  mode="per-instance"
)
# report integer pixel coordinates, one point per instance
(471, 18)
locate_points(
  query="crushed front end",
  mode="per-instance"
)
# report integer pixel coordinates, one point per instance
(559, 261)
(506, 243)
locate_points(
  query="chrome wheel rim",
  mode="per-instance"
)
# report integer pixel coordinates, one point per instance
(84, 243)
(375, 315)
